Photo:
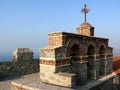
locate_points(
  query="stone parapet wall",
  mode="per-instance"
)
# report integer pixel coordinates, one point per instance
(17, 68)
(23, 54)
(22, 64)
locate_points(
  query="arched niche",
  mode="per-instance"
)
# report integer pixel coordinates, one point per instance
(74, 52)
(90, 55)
(102, 51)
(75, 56)
(73, 47)
(90, 52)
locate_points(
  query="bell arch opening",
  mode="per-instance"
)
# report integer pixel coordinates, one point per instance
(102, 51)
(102, 57)
(90, 55)
(74, 54)
(90, 51)
(74, 50)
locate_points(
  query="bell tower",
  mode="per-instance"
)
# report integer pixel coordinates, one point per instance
(85, 28)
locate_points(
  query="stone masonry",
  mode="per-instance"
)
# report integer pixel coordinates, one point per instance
(23, 54)
(22, 64)
(72, 60)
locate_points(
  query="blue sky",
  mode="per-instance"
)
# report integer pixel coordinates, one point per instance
(26, 23)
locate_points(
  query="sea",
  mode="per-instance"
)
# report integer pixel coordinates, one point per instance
(8, 56)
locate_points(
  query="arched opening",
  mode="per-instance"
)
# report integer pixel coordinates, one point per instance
(74, 54)
(102, 51)
(74, 51)
(102, 57)
(90, 54)
(76, 67)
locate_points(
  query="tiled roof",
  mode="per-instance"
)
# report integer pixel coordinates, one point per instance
(116, 64)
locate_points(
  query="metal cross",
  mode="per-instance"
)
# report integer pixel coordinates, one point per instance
(85, 11)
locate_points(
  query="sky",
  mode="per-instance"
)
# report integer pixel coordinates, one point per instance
(26, 23)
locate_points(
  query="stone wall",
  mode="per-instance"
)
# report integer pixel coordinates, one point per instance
(116, 82)
(16, 68)
(23, 54)
(47, 75)
(22, 64)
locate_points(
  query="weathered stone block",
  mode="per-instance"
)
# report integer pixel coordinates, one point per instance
(23, 54)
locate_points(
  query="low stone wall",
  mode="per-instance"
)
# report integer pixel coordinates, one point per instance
(22, 64)
(104, 83)
(17, 68)
(116, 82)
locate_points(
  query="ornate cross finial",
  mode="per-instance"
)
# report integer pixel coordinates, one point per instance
(85, 11)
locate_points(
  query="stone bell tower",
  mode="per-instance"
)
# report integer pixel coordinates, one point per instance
(85, 28)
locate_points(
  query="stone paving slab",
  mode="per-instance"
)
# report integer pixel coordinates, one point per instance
(33, 82)
(92, 84)
(5, 83)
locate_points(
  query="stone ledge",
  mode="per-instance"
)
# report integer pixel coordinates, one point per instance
(35, 86)
(92, 84)
(66, 74)
(33, 82)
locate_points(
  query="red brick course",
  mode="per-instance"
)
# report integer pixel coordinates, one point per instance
(55, 62)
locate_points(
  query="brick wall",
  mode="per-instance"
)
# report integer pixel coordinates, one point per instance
(55, 39)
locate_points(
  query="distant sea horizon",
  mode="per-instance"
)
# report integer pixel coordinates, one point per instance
(8, 57)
